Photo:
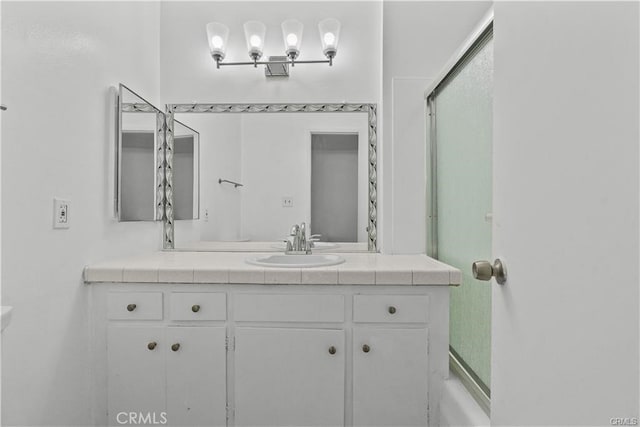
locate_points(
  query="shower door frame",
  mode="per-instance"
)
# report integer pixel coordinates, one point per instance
(457, 62)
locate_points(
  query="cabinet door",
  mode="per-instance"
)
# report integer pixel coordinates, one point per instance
(389, 377)
(136, 380)
(289, 377)
(196, 376)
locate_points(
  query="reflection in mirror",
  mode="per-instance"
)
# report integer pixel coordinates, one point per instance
(186, 173)
(138, 156)
(140, 163)
(292, 168)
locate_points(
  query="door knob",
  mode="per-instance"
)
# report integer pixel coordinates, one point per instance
(483, 270)
(195, 308)
(131, 307)
(332, 350)
(366, 348)
(152, 345)
(175, 347)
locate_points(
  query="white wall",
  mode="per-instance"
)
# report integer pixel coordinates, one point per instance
(276, 163)
(59, 60)
(565, 326)
(419, 38)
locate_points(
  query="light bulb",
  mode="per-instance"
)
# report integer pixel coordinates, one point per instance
(217, 42)
(292, 40)
(329, 39)
(255, 41)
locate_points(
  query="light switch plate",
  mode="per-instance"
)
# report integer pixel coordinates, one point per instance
(61, 213)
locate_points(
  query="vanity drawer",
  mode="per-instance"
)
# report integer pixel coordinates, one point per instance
(134, 306)
(390, 308)
(289, 308)
(197, 306)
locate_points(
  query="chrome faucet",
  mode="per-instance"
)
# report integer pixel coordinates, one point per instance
(298, 245)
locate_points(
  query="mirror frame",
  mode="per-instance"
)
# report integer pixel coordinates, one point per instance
(138, 107)
(167, 164)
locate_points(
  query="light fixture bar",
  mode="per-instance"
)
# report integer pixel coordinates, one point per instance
(256, 63)
(255, 33)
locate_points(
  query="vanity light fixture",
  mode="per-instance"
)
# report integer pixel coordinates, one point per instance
(255, 31)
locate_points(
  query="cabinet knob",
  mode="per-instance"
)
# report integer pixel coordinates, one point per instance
(195, 308)
(366, 348)
(131, 307)
(152, 345)
(392, 309)
(175, 347)
(332, 350)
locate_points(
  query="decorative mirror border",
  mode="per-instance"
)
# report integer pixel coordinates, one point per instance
(167, 164)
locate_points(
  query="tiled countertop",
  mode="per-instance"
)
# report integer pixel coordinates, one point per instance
(230, 267)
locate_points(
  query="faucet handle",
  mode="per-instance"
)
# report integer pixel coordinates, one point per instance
(288, 245)
(294, 230)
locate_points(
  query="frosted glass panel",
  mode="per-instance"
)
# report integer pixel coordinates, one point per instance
(463, 123)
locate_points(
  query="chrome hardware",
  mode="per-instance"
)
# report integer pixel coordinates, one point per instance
(299, 245)
(303, 238)
(131, 307)
(235, 184)
(483, 270)
(392, 310)
(289, 247)
(152, 345)
(195, 308)
(314, 238)
(366, 348)
(332, 350)
(175, 347)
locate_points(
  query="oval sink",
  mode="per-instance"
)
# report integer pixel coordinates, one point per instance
(295, 261)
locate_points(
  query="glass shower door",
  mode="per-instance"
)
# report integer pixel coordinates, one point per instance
(461, 145)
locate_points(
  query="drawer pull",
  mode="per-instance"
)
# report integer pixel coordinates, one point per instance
(332, 350)
(175, 347)
(366, 348)
(131, 307)
(195, 308)
(392, 310)
(152, 345)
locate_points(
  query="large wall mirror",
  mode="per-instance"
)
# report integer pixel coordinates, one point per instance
(264, 172)
(140, 159)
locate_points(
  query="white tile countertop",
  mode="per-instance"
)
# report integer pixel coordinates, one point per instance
(230, 267)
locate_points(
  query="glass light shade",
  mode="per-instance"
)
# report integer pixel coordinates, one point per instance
(329, 36)
(292, 36)
(254, 32)
(217, 34)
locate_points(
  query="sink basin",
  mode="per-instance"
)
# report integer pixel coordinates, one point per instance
(6, 316)
(317, 246)
(295, 261)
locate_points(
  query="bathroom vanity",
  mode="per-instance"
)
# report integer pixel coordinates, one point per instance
(207, 339)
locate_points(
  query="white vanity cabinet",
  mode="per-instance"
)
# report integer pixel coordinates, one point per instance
(390, 363)
(390, 377)
(160, 371)
(290, 377)
(196, 375)
(136, 369)
(266, 355)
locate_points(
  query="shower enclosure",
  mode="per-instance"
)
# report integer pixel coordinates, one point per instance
(460, 120)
